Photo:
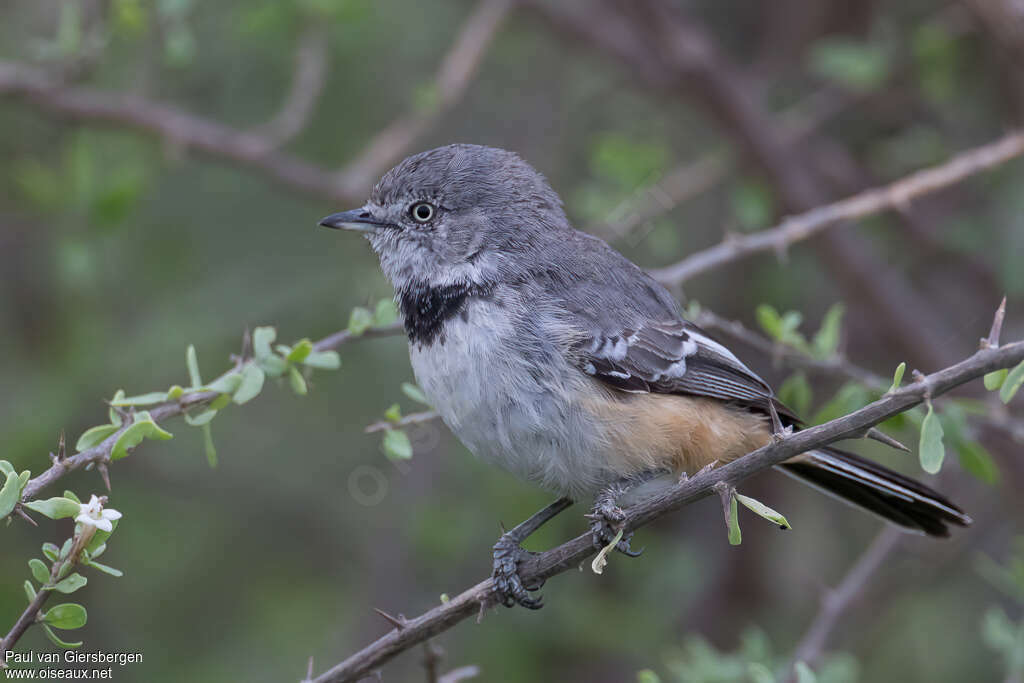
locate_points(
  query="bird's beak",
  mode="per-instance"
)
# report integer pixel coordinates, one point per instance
(356, 219)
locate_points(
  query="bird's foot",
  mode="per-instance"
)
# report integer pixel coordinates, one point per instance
(607, 520)
(509, 588)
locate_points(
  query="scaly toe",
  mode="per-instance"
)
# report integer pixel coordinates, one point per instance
(508, 585)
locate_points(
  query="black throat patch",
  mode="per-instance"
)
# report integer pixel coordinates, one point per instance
(426, 308)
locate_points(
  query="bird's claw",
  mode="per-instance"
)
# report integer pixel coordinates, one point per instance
(508, 585)
(606, 522)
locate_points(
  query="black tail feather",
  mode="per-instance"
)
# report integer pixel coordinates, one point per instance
(866, 484)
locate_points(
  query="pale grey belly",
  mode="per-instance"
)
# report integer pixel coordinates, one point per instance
(520, 411)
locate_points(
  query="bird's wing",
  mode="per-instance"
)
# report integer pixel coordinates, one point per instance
(673, 357)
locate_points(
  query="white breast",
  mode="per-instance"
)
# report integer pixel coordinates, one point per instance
(512, 401)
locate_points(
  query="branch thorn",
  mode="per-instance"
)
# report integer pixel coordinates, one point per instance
(992, 341)
(398, 622)
(24, 515)
(104, 473)
(881, 437)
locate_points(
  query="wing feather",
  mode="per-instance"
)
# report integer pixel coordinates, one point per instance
(674, 357)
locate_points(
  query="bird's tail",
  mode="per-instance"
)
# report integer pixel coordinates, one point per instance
(868, 485)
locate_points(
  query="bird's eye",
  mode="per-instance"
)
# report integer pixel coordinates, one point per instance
(422, 212)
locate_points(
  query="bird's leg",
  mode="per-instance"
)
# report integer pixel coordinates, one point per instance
(508, 586)
(607, 517)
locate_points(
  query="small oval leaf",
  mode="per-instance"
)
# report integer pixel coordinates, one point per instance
(57, 641)
(297, 381)
(415, 393)
(1013, 382)
(931, 450)
(55, 508)
(397, 445)
(323, 360)
(252, 383)
(71, 583)
(68, 615)
(39, 571)
(94, 435)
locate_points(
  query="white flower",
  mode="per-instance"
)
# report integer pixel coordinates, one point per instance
(93, 513)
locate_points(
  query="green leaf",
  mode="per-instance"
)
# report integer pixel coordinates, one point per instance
(72, 583)
(297, 381)
(858, 66)
(976, 460)
(175, 392)
(1012, 384)
(99, 566)
(850, 397)
(804, 674)
(735, 537)
(386, 313)
(192, 363)
(759, 673)
(66, 548)
(647, 676)
(826, 340)
(94, 435)
(57, 641)
(298, 353)
(393, 413)
(752, 204)
(762, 510)
(39, 571)
(142, 428)
(931, 450)
(415, 393)
(769, 320)
(227, 384)
(262, 338)
(68, 615)
(897, 377)
(796, 393)
(70, 495)
(55, 508)
(208, 447)
(30, 591)
(994, 380)
(252, 384)
(115, 417)
(97, 552)
(141, 399)
(221, 401)
(201, 419)
(275, 366)
(6, 468)
(998, 632)
(323, 360)
(10, 494)
(51, 551)
(359, 321)
(397, 445)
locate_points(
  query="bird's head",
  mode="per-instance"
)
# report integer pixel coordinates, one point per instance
(459, 213)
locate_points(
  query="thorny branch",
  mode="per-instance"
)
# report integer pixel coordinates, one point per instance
(456, 72)
(100, 453)
(892, 196)
(256, 149)
(571, 553)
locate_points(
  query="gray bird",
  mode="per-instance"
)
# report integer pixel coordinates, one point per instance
(551, 355)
